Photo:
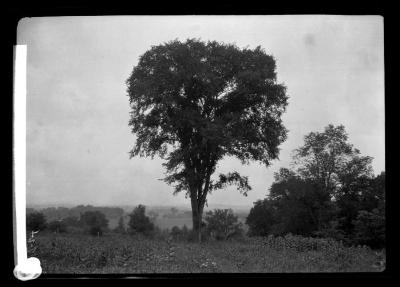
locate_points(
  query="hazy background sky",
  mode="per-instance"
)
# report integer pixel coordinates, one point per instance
(78, 137)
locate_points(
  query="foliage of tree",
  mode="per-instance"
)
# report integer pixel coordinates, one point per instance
(194, 103)
(330, 160)
(139, 222)
(301, 206)
(294, 205)
(57, 226)
(366, 196)
(95, 222)
(222, 224)
(370, 228)
(36, 221)
(261, 218)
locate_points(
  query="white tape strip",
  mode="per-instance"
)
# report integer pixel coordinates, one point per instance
(25, 269)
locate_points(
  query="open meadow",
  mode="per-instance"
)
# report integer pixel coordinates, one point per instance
(121, 253)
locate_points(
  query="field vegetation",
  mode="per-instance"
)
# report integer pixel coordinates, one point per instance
(122, 253)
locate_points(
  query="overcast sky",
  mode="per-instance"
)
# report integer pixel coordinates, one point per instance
(78, 136)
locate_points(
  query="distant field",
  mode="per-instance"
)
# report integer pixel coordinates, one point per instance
(166, 222)
(116, 253)
(180, 221)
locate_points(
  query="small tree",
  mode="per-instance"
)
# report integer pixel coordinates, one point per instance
(57, 226)
(139, 222)
(35, 221)
(95, 222)
(222, 224)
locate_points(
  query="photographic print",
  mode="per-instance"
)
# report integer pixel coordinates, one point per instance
(205, 144)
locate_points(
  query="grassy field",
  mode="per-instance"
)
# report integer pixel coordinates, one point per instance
(117, 253)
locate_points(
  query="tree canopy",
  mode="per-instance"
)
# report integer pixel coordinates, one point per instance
(330, 160)
(194, 103)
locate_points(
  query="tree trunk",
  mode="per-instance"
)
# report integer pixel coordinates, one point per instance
(198, 198)
(197, 216)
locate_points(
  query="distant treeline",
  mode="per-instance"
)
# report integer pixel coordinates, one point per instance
(58, 213)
